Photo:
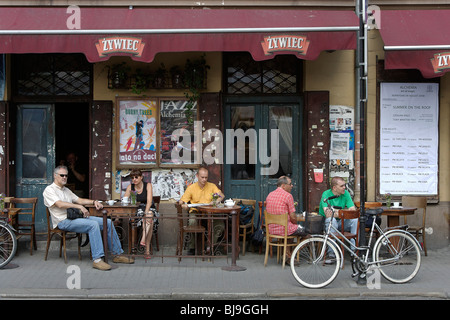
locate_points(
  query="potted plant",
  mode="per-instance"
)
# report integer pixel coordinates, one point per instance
(194, 77)
(141, 82)
(177, 76)
(119, 75)
(159, 80)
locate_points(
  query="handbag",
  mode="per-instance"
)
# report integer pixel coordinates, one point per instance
(74, 213)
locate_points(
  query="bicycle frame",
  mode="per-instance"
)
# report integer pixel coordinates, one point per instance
(335, 238)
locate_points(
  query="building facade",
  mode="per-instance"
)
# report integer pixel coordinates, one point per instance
(252, 90)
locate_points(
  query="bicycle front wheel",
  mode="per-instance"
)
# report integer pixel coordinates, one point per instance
(311, 266)
(398, 256)
(8, 245)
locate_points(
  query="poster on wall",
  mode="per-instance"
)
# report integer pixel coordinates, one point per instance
(173, 121)
(409, 138)
(171, 184)
(137, 123)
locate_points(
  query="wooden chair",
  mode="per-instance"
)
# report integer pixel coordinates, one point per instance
(419, 203)
(261, 206)
(280, 241)
(245, 229)
(345, 214)
(185, 228)
(156, 201)
(26, 226)
(368, 206)
(63, 235)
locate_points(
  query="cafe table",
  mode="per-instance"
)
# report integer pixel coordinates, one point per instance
(233, 211)
(118, 210)
(394, 213)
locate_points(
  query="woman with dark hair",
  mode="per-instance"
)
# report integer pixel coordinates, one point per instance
(144, 195)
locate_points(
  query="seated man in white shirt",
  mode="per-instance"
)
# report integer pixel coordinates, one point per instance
(58, 199)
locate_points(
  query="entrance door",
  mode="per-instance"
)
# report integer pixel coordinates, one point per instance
(255, 177)
(35, 154)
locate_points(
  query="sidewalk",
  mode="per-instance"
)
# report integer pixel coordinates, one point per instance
(153, 279)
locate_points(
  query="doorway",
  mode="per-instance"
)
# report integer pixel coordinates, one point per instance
(72, 144)
(255, 177)
(45, 134)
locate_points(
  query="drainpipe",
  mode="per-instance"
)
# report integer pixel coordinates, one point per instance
(361, 10)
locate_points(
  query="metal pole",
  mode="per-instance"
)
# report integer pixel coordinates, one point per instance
(174, 31)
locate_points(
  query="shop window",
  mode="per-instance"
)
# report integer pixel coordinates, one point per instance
(51, 75)
(280, 75)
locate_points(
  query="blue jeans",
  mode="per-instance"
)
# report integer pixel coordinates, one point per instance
(93, 226)
(350, 225)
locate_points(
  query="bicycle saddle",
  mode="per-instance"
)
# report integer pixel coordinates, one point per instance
(374, 211)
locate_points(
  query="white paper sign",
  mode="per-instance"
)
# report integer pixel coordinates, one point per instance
(409, 138)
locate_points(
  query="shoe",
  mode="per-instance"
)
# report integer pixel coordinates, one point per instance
(123, 259)
(101, 265)
(330, 260)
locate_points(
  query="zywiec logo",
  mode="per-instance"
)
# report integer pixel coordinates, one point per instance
(441, 61)
(131, 45)
(273, 44)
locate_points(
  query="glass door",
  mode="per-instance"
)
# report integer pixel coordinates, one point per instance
(264, 143)
(35, 155)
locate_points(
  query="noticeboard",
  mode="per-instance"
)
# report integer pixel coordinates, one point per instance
(409, 139)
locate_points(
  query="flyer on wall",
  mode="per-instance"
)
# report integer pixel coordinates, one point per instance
(409, 137)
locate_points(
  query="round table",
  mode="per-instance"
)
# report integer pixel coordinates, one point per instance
(233, 211)
(393, 214)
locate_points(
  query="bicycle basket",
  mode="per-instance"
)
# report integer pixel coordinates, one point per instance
(314, 223)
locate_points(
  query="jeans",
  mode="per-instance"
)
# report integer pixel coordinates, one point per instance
(350, 225)
(93, 227)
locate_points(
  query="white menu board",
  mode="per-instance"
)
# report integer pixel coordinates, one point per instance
(409, 138)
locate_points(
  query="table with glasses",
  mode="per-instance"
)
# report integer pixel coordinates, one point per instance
(117, 210)
(233, 211)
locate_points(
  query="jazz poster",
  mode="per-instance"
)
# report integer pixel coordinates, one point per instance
(137, 127)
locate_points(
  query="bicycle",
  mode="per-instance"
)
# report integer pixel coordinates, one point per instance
(8, 242)
(396, 253)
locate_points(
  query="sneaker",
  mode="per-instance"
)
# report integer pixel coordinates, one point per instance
(123, 259)
(330, 260)
(101, 265)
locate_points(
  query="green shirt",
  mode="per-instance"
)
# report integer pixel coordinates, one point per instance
(344, 201)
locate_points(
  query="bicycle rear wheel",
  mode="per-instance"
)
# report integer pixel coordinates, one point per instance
(398, 255)
(8, 245)
(310, 269)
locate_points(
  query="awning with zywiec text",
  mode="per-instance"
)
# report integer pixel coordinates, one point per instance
(141, 33)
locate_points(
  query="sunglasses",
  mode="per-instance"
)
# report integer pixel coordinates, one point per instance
(63, 175)
(135, 177)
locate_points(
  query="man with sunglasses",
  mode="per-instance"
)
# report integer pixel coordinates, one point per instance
(58, 198)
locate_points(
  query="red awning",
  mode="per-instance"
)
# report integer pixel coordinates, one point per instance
(143, 32)
(417, 39)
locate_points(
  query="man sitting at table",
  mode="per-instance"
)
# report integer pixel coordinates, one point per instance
(58, 198)
(343, 200)
(201, 192)
(281, 201)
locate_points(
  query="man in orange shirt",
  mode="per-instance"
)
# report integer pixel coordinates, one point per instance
(201, 192)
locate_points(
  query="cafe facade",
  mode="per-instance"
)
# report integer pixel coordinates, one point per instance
(253, 92)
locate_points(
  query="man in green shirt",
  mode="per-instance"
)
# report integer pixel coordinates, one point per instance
(343, 200)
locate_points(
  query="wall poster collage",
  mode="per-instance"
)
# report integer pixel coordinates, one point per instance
(148, 135)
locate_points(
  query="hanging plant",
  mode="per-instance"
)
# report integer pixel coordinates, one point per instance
(141, 82)
(194, 77)
(160, 77)
(119, 75)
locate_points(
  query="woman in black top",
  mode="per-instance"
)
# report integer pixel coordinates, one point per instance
(144, 194)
